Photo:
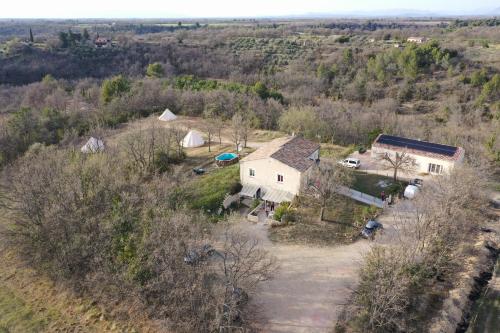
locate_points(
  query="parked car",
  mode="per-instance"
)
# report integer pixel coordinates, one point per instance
(351, 163)
(370, 228)
(417, 182)
(199, 171)
(197, 255)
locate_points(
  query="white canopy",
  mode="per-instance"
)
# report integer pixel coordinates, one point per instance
(249, 190)
(277, 196)
(93, 146)
(167, 115)
(193, 139)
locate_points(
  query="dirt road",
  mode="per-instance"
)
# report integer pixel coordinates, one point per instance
(310, 287)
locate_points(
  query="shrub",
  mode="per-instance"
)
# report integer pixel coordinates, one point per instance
(235, 188)
(282, 209)
(255, 203)
(343, 39)
(395, 188)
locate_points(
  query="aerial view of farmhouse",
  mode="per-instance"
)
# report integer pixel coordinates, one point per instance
(235, 167)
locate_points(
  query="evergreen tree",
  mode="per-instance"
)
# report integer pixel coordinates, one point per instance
(32, 39)
(86, 35)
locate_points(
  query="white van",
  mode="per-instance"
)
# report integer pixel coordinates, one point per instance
(351, 163)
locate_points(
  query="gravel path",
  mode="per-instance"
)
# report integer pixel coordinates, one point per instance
(310, 287)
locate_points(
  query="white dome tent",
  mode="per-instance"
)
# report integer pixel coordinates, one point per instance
(193, 139)
(167, 115)
(93, 146)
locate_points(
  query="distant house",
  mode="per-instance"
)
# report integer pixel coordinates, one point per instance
(433, 158)
(276, 171)
(101, 42)
(418, 40)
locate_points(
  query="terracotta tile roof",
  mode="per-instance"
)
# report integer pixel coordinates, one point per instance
(292, 151)
(418, 147)
(268, 149)
(296, 152)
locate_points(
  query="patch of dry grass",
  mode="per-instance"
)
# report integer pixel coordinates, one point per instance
(332, 151)
(342, 223)
(31, 302)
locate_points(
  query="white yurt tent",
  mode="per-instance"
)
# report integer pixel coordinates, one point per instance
(193, 139)
(167, 115)
(93, 146)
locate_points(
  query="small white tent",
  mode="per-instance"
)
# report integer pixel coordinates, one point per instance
(167, 115)
(193, 139)
(93, 146)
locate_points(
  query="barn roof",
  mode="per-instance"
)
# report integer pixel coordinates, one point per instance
(418, 147)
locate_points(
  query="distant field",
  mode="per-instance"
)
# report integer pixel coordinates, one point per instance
(489, 56)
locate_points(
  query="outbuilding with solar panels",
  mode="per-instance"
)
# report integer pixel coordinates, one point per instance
(432, 158)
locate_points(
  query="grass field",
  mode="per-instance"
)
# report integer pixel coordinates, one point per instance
(207, 192)
(372, 184)
(342, 223)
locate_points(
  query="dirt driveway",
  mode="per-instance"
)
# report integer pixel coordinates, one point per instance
(310, 287)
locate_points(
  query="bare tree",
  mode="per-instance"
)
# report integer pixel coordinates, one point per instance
(383, 291)
(210, 128)
(245, 128)
(236, 133)
(429, 237)
(325, 181)
(401, 161)
(178, 135)
(244, 265)
(147, 149)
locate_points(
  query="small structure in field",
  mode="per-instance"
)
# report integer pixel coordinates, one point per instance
(93, 145)
(433, 158)
(167, 115)
(418, 40)
(277, 171)
(101, 42)
(193, 139)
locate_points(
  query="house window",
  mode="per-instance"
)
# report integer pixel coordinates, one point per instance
(280, 178)
(435, 168)
(252, 172)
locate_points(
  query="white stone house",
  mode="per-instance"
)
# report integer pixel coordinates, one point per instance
(277, 171)
(432, 158)
(418, 40)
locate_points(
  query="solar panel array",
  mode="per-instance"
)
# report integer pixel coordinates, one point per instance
(435, 148)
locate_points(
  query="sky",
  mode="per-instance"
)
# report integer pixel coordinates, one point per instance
(229, 8)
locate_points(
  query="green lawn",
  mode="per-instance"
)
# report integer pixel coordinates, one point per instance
(207, 192)
(372, 184)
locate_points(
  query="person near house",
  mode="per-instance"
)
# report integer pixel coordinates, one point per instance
(382, 195)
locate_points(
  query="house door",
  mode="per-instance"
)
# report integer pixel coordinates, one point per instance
(257, 194)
